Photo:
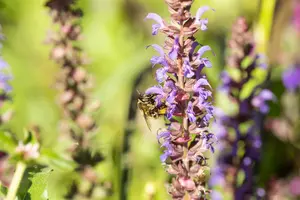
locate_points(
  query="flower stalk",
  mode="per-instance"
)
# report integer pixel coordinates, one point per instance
(15, 183)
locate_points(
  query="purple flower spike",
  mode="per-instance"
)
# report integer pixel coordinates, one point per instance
(187, 97)
(291, 78)
(158, 19)
(231, 125)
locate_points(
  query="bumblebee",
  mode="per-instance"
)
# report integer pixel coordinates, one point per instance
(146, 103)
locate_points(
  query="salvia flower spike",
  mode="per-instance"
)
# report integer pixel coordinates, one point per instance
(185, 90)
(240, 132)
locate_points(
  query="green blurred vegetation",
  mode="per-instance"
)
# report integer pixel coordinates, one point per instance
(115, 37)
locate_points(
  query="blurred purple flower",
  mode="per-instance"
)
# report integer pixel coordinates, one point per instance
(242, 126)
(5, 76)
(215, 195)
(291, 78)
(259, 101)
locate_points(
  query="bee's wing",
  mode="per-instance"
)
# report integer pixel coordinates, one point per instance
(147, 121)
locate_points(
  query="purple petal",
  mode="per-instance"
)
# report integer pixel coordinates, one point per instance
(158, 59)
(164, 156)
(201, 82)
(266, 95)
(161, 74)
(206, 62)
(170, 111)
(155, 90)
(200, 12)
(194, 46)
(187, 69)
(169, 84)
(190, 112)
(202, 22)
(202, 50)
(171, 97)
(174, 51)
(264, 108)
(158, 19)
(163, 134)
(158, 48)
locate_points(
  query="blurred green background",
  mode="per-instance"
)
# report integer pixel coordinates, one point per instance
(115, 37)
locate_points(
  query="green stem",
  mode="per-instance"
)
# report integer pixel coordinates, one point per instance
(14, 186)
(263, 28)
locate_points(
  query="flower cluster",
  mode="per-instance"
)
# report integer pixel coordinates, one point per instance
(28, 151)
(239, 133)
(184, 89)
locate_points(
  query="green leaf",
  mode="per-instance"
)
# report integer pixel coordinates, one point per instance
(7, 142)
(259, 76)
(29, 137)
(56, 161)
(3, 190)
(38, 188)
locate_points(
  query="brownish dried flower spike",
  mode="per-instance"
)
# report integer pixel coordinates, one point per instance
(73, 84)
(73, 80)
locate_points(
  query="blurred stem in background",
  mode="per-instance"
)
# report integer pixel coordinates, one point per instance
(264, 25)
(282, 18)
(130, 129)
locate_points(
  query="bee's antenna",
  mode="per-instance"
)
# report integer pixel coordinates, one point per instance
(138, 92)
